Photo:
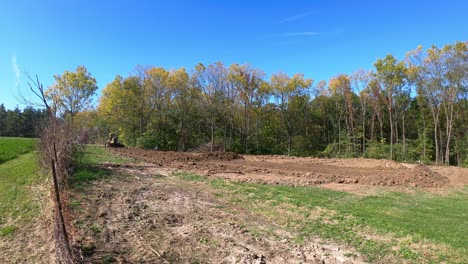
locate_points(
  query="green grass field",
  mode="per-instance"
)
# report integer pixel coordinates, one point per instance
(11, 147)
(18, 174)
(389, 226)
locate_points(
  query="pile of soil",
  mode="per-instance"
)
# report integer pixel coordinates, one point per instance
(428, 177)
(172, 157)
(220, 155)
(292, 171)
(207, 148)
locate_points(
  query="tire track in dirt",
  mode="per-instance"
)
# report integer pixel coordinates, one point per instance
(145, 215)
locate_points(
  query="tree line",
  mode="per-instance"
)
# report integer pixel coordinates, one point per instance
(407, 110)
(414, 109)
(20, 123)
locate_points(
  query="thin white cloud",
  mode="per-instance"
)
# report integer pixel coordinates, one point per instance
(16, 71)
(295, 17)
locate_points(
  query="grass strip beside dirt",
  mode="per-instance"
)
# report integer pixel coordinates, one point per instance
(388, 226)
(11, 147)
(17, 202)
(96, 155)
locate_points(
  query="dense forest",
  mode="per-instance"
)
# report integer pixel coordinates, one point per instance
(415, 109)
(20, 123)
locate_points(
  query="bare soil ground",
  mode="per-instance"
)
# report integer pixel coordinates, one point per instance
(304, 171)
(144, 214)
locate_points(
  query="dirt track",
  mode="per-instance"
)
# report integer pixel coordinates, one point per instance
(144, 214)
(302, 171)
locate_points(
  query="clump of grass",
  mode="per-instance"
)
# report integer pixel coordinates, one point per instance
(188, 176)
(107, 258)
(7, 230)
(74, 204)
(87, 174)
(96, 229)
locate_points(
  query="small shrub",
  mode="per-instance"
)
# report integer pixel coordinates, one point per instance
(378, 150)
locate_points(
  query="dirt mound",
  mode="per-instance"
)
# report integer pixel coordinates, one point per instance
(425, 177)
(172, 157)
(291, 170)
(392, 164)
(220, 155)
(207, 148)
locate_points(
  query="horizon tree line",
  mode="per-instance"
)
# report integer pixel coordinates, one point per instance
(415, 109)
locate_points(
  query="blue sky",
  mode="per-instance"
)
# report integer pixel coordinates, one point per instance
(318, 38)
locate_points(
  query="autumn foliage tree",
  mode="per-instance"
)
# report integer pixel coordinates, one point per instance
(72, 91)
(386, 112)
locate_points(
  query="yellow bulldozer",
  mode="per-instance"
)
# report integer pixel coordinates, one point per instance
(113, 141)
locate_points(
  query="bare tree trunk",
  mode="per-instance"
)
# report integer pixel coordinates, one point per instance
(404, 137)
(231, 132)
(363, 130)
(339, 136)
(381, 126)
(391, 134)
(256, 134)
(395, 134)
(449, 117)
(436, 145)
(435, 117)
(424, 142)
(212, 137)
(441, 150)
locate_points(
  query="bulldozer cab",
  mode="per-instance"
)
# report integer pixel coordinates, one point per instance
(113, 138)
(113, 141)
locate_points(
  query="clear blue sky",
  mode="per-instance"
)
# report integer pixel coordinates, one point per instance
(318, 38)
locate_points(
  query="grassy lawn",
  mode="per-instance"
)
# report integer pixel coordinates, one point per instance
(389, 226)
(11, 147)
(17, 176)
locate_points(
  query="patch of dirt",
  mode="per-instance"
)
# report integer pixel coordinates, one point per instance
(294, 171)
(145, 215)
